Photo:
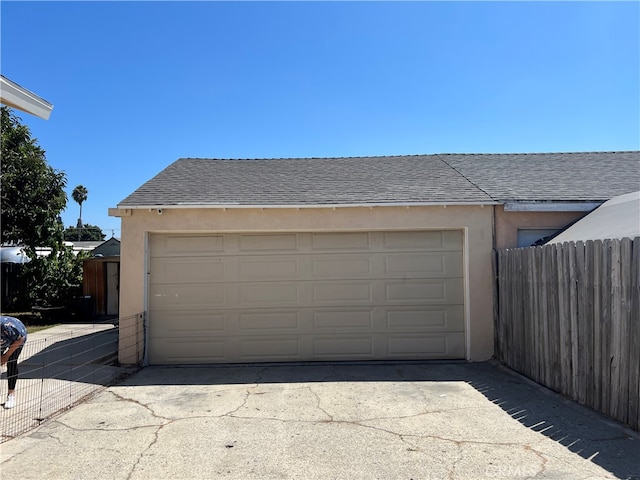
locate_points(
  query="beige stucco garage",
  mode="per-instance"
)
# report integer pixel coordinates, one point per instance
(307, 259)
(309, 283)
(315, 259)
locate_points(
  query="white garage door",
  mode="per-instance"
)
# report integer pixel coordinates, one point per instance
(228, 298)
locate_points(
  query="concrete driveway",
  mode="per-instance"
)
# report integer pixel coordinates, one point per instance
(326, 421)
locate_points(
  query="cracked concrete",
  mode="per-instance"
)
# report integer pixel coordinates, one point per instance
(368, 421)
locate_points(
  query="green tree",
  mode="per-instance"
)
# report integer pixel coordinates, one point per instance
(33, 197)
(79, 195)
(58, 278)
(32, 192)
(88, 233)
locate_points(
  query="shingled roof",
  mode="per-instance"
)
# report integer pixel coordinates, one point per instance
(307, 181)
(591, 176)
(417, 179)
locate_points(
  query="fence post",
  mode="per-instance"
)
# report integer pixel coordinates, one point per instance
(40, 415)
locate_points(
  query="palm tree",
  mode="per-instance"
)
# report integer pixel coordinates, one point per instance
(79, 195)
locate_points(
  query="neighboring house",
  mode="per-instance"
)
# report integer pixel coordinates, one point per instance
(108, 248)
(617, 218)
(83, 245)
(385, 258)
(15, 96)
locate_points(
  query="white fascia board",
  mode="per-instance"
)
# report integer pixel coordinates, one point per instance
(15, 96)
(551, 206)
(327, 205)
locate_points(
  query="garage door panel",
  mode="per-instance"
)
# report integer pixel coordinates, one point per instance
(268, 243)
(340, 241)
(164, 351)
(416, 292)
(191, 296)
(337, 320)
(343, 347)
(268, 294)
(425, 346)
(270, 321)
(189, 270)
(191, 245)
(445, 318)
(272, 348)
(424, 265)
(269, 268)
(425, 240)
(187, 323)
(340, 266)
(342, 293)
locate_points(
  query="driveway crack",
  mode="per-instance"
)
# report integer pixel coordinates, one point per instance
(247, 394)
(143, 405)
(319, 406)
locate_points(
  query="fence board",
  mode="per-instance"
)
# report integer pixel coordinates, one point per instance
(551, 340)
(563, 321)
(598, 251)
(538, 327)
(605, 327)
(581, 346)
(521, 314)
(531, 314)
(589, 319)
(572, 286)
(634, 338)
(496, 299)
(616, 326)
(624, 285)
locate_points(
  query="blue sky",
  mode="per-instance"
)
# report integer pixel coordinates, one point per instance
(137, 85)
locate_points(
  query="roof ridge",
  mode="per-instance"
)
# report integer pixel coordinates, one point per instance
(465, 177)
(415, 155)
(314, 157)
(546, 153)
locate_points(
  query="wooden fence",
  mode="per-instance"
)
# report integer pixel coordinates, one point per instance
(568, 317)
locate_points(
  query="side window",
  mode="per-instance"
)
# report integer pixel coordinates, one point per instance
(529, 236)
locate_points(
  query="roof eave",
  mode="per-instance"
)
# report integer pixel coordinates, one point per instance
(15, 96)
(297, 206)
(546, 206)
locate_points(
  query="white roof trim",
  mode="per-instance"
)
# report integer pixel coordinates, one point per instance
(551, 206)
(15, 96)
(327, 205)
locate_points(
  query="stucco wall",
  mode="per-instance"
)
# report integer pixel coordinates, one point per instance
(508, 223)
(476, 221)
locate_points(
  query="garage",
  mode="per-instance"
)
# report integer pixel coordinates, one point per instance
(305, 296)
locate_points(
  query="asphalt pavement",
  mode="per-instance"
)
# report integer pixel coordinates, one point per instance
(423, 420)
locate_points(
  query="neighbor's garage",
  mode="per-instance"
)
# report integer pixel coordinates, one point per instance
(236, 297)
